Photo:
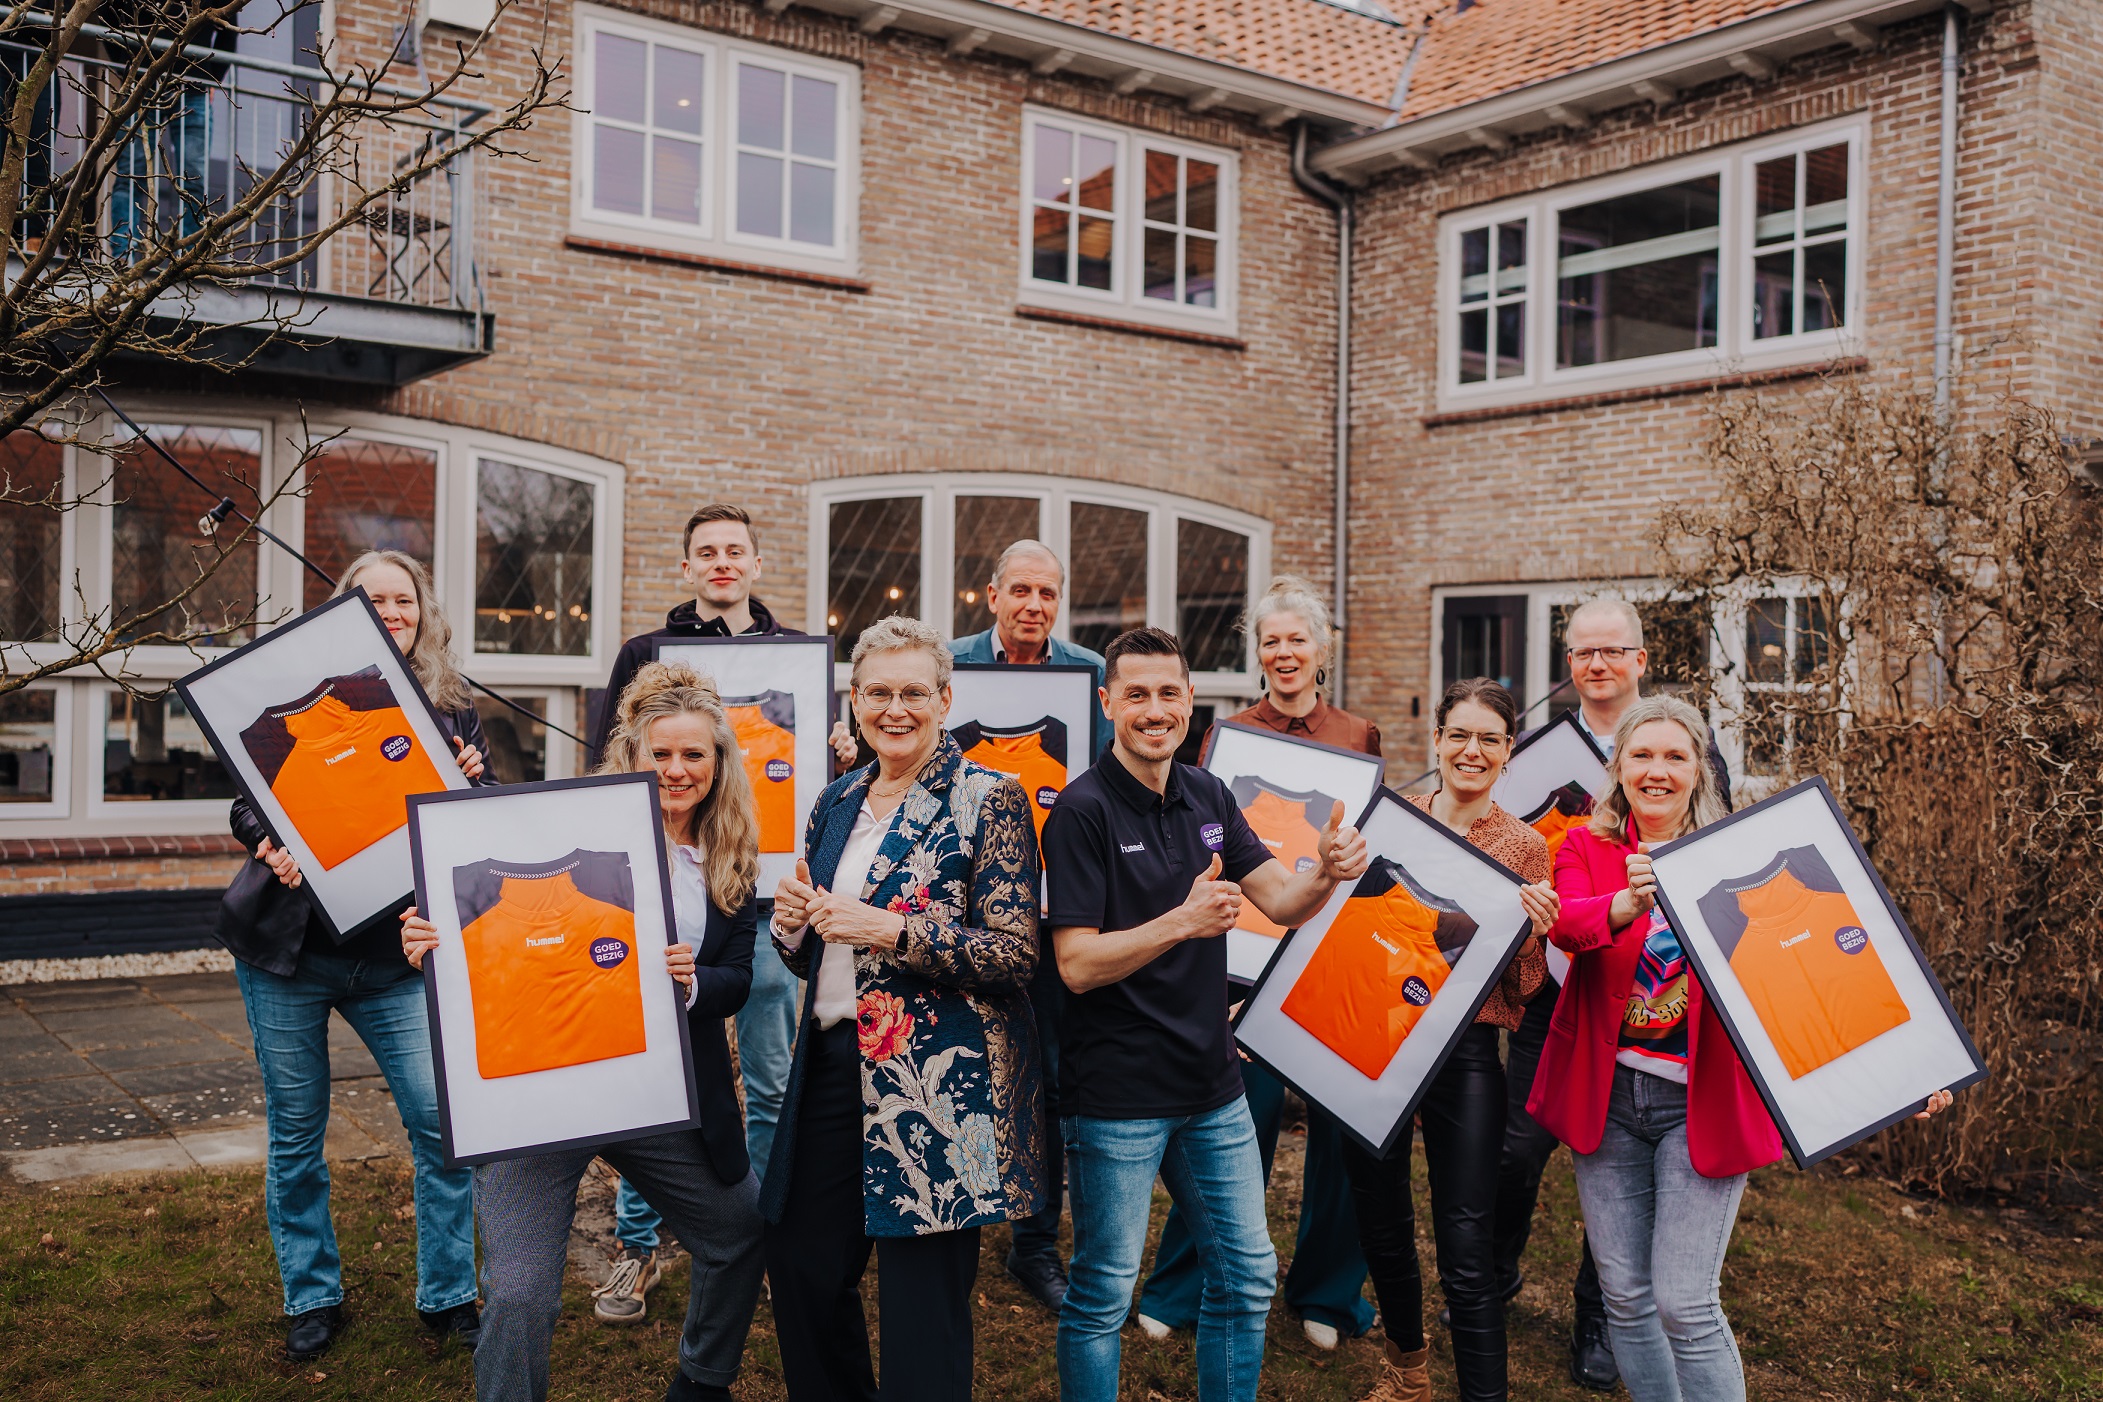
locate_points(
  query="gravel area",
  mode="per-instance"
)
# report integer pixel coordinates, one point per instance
(181, 961)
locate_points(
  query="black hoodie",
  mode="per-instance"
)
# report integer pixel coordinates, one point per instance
(684, 621)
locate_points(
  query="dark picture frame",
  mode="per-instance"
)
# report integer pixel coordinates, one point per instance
(1679, 895)
(449, 1066)
(1386, 1104)
(346, 903)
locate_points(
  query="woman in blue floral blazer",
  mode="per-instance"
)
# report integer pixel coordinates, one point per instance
(915, 1112)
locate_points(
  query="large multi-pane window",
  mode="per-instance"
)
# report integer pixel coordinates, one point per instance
(1132, 558)
(1742, 257)
(534, 552)
(157, 550)
(365, 494)
(1789, 649)
(699, 143)
(1125, 221)
(29, 740)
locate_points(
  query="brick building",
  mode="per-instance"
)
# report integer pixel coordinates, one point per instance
(910, 280)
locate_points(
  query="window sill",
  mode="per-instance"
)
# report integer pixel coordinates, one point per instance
(724, 265)
(61, 849)
(1130, 328)
(1845, 365)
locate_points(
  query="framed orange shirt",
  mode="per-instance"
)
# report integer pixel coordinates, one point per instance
(766, 731)
(1035, 754)
(1290, 824)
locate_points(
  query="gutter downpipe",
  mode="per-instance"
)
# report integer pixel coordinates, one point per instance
(1340, 201)
(1946, 216)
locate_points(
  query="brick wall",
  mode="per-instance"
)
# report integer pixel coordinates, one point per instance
(74, 866)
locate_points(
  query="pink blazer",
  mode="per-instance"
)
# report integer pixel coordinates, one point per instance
(1728, 1128)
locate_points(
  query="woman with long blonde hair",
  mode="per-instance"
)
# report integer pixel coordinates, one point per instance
(669, 721)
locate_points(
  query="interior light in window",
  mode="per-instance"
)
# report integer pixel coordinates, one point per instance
(892, 593)
(832, 620)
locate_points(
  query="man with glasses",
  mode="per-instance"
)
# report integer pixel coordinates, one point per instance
(1603, 641)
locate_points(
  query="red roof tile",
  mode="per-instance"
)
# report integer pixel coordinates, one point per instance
(1304, 41)
(1496, 46)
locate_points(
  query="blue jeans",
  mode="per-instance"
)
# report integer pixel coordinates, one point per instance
(383, 1001)
(635, 1222)
(1326, 1282)
(766, 1044)
(1659, 1231)
(1214, 1173)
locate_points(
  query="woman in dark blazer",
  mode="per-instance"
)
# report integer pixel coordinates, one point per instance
(914, 1112)
(670, 721)
(293, 974)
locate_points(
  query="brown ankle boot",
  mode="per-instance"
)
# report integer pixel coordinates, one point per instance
(1404, 1377)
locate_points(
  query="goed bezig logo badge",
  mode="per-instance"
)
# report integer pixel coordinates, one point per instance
(396, 747)
(1852, 939)
(1047, 796)
(1303, 864)
(1416, 990)
(608, 953)
(779, 769)
(1213, 835)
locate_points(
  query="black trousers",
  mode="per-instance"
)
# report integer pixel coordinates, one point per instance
(1463, 1118)
(1527, 1148)
(1039, 1235)
(818, 1253)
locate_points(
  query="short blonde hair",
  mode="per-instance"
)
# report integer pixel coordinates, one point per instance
(1613, 608)
(898, 633)
(1705, 803)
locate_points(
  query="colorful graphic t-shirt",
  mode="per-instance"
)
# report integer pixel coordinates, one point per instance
(1290, 825)
(551, 961)
(1381, 962)
(342, 761)
(1035, 754)
(1804, 960)
(1566, 808)
(766, 731)
(1654, 1024)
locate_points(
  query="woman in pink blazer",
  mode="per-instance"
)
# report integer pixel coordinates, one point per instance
(1640, 1079)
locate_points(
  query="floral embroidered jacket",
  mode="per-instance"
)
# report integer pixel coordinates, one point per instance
(952, 1092)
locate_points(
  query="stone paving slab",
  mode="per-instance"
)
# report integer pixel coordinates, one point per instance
(88, 1123)
(61, 1090)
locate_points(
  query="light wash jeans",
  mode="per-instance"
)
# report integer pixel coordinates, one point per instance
(383, 1001)
(766, 1044)
(1214, 1173)
(1659, 1232)
(635, 1222)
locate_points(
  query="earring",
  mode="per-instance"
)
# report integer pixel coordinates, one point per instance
(1321, 676)
(1263, 683)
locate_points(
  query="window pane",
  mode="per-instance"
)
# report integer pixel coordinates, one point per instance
(1511, 250)
(810, 203)
(761, 94)
(1096, 239)
(1200, 271)
(1766, 640)
(1814, 637)
(1109, 581)
(813, 128)
(1048, 245)
(617, 169)
(985, 527)
(675, 180)
(1638, 274)
(518, 745)
(153, 750)
(1825, 285)
(1161, 188)
(363, 495)
(1825, 183)
(678, 90)
(1474, 346)
(1774, 294)
(533, 561)
(1212, 590)
(1097, 177)
(1474, 265)
(1511, 339)
(621, 78)
(158, 550)
(28, 730)
(1774, 192)
(1160, 273)
(874, 568)
(33, 470)
(1200, 195)
(1052, 165)
(759, 195)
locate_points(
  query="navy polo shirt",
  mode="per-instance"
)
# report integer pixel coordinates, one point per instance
(1156, 1043)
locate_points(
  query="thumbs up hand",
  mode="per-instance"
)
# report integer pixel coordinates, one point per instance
(792, 900)
(1342, 850)
(1213, 905)
(1642, 880)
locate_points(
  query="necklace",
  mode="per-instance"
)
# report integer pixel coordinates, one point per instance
(876, 792)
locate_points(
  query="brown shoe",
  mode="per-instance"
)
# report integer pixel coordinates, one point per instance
(1404, 1377)
(623, 1297)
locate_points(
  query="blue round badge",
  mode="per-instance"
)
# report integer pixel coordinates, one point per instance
(1047, 796)
(397, 747)
(608, 953)
(1852, 939)
(1304, 864)
(1416, 990)
(779, 769)
(1213, 835)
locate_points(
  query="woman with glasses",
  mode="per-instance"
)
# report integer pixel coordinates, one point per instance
(914, 1113)
(1463, 1110)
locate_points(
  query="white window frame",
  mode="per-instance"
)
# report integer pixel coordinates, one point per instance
(716, 235)
(562, 710)
(1735, 687)
(1736, 349)
(938, 492)
(60, 804)
(1126, 300)
(588, 667)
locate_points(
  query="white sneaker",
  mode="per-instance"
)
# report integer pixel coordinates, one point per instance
(1322, 1336)
(1153, 1328)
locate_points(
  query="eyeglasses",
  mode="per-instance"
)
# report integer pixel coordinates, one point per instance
(1489, 743)
(1582, 655)
(879, 698)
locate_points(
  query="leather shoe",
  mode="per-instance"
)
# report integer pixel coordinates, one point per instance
(685, 1389)
(1042, 1276)
(309, 1335)
(1507, 1295)
(1591, 1356)
(462, 1322)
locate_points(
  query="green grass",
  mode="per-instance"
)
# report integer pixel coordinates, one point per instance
(166, 1287)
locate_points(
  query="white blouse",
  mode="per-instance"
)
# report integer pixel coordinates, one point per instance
(835, 1003)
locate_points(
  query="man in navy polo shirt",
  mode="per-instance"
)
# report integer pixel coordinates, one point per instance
(1148, 862)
